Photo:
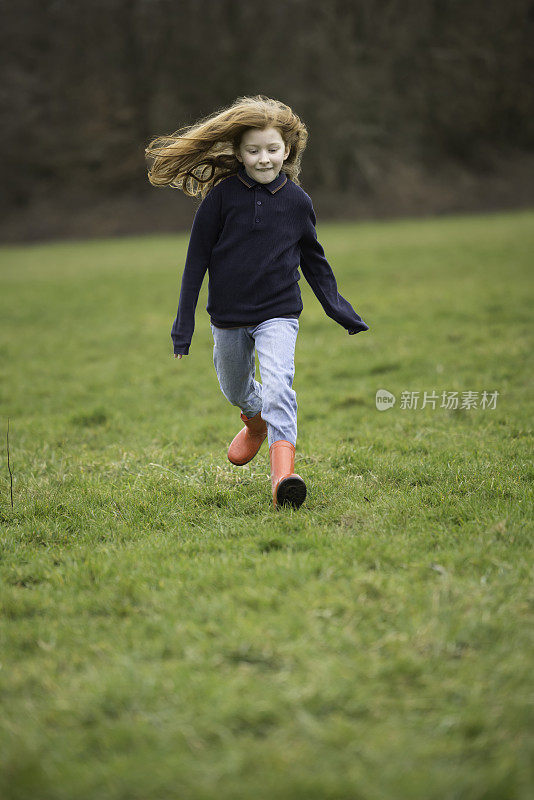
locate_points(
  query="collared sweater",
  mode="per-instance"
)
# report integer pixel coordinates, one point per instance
(252, 238)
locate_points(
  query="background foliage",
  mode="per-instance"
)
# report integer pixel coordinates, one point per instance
(412, 105)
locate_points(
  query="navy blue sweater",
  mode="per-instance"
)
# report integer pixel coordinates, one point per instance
(252, 237)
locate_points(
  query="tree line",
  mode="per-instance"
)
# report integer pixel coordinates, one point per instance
(86, 84)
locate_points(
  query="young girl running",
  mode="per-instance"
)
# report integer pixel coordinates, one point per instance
(254, 227)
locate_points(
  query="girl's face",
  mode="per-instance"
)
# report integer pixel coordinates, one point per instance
(262, 151)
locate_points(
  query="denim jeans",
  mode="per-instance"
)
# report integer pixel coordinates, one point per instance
(235, 365)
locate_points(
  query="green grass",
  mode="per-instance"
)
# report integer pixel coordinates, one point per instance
(167, 634)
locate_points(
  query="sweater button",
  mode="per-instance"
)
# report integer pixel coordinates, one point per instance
(257, 219)
(258, 202)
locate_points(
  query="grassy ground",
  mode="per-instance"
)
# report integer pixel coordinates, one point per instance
(167, 634)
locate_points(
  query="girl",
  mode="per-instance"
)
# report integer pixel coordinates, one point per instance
(254, 227)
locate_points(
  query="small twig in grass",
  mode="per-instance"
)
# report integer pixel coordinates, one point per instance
(9, 464)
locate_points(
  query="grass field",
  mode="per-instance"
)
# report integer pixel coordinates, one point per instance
(167, 634)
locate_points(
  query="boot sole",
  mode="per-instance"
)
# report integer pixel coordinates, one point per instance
(242, 463)
(291, 491)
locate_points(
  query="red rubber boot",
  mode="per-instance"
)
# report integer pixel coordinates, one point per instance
(248, 441)
(288, 488)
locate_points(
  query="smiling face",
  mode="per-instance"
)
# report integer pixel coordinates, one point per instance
(262, 151)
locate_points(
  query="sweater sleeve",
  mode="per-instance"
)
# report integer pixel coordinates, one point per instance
(319, 275)
(204, 233)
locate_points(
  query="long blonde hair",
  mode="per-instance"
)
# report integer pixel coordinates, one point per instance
(196, 157)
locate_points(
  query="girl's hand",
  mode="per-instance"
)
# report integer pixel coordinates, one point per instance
(177, 355)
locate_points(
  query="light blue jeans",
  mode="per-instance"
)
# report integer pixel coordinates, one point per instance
(235, 365)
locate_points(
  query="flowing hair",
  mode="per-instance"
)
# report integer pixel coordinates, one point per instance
(196, 157)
